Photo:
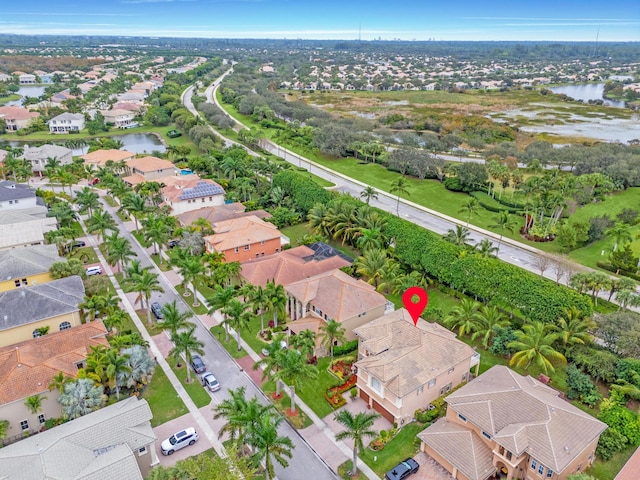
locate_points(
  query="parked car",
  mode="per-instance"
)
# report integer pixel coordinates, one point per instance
(209, 381)
(94, 181)
(179, 440)
(197, 364)
(79, 244)
(405, 468)
(173, 243)
(94, 271)
(156, 308)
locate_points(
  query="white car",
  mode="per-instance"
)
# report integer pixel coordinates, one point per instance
(179, 440)
(208, 380)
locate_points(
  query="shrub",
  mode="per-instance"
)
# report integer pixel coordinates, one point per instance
(611, 441)
(581, 387)
(345, 348)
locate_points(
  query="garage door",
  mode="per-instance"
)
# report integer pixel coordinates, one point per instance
(380, 409)
(364, 396)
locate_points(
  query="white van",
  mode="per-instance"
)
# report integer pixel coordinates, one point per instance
(94, 271)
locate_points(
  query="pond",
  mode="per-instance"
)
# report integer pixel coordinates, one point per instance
(586, 92)
(132, 142)
(27, 91)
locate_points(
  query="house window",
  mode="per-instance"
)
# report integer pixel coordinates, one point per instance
(420, 389)
(24, 424)
(247, 247)
(486, 435)
(432, 382)
(549, 473)
(540, 469)
(65, 326)
(445, 389)
(534, 464)
(142, 451)
(375, 383)
(202, 200)
(41, 418)
(211, 199)
(237, 249)
(25, 282)
(36, 333)
(462, 417)
(451, 370)
(17, 282)
(263, 242)
(464, 377)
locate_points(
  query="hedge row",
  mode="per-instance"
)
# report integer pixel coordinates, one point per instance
(483, 200)
(303, 190)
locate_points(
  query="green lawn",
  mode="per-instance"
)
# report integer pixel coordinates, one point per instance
(200, 309)
(608, 470)
(9, 98)
(312, 392)
(196, 391)
(405, 444)
(111, 201)
(296, 232)
(251, 334)
(231, 346)
(283, 404)
(163, 399)
(85, 255)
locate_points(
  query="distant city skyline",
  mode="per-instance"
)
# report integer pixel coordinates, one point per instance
(331, 19)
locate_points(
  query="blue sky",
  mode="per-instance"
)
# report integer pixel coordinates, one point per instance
(615, 20)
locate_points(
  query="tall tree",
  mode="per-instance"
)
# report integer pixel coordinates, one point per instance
(621, 234)
(238, 317)
(470, 206)
(220, 299)
(463, 317)
(269, 445)
(185, 343)
(135, 205)
(502, 222)
(192, 271)
(88, 200)
(145, 284)
(489, 320)
(173, 319)
(399, 186)
(293, 370)
(458, 236)
(34, 403)
(118, 250)
(99, 222)
(357, 427)
(277, 300)
(369, 193)
(330, 333)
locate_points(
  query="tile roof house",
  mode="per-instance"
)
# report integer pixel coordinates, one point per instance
(27, 368)
(61, 97)
(17, 117)
(67, 123)
(191, 194)
(113, 443)
(38, 156)
(333, 295)
(119, 117)
(17, 196)
(53, 304)
(99, 158)
(243, 238)
(25, 226)
(290, 266)
(402, 367)
(228, 211)
(503, 421)
(26, 266)
(148, 169)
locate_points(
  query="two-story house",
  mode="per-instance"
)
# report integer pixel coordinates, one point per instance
(26, 266)
(67, 123)
(24, 311)
(28, 369)
(25, 226)
(185, 195)
(227, 211)
(333, 295)
(27, 79)
(17, 196)
(16, 117)
(505, 422)
(116, 441)
(402, 367)
(243, 238)
(147, 169)
(39, 156)
(99, 158)
(119, 118)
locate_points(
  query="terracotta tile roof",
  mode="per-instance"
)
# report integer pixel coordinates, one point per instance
(522, 414)
(241, 231)
(100, 157)
(134, 179)
(461, 447)
(306, 323)
(403, 356)
(191, 188)
(17, 113)
(289, 266)
(27, 368)
(631, 469)
(149, 164)
(338, 295)
(220, 214)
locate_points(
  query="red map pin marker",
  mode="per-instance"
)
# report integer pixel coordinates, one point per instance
(415, 309)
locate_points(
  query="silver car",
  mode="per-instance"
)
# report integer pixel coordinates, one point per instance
(208, 380)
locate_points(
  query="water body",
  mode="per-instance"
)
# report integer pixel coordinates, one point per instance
(27, 91)
(133, 142)
(586, 92)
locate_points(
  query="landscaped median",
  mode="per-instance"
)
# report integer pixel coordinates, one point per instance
(196, 391)
(163, 399)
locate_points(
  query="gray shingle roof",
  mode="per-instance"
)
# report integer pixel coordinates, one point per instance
(98, 446)
(15, 191)
(22, 262)
(31, 304)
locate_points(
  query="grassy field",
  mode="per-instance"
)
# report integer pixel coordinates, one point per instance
(405, 444)
(200, 309)
(9, 98)
(312, 393)
(608, 470)
(163, 399)
(231, 345)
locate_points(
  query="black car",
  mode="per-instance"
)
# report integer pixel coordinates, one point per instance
(76, 244)
(197, 364)
(156, 308)
(405, 468)
(173, 243)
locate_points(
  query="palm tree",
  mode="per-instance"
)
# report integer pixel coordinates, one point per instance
(271, 363)
(293, 370)
(81, 397)
(304, 342)
(156, 231)
(259, 302)
(357, 427)
(100, 222)
(115, 365)
(220, 299)
(573, 327)
(503, 222)
(118, 250)
(191, 270)
(34, 403)
(269, 445)
(141, 366)
(486, 249)
(369, 193)
(459, 236)
(65, 177)
(173, 319)
(470, 206)
(463, 316)
(330, 333)
(58, 381)
(135, 205)
(237, 316)
(185, 343)
(534, 343)
(370, 238)
(318, 217)
(241, 414)
(88, 200)
(400, 187)
(145, 284)
(277, 300)
(489, 319)
(620, 233)
(371, 264)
